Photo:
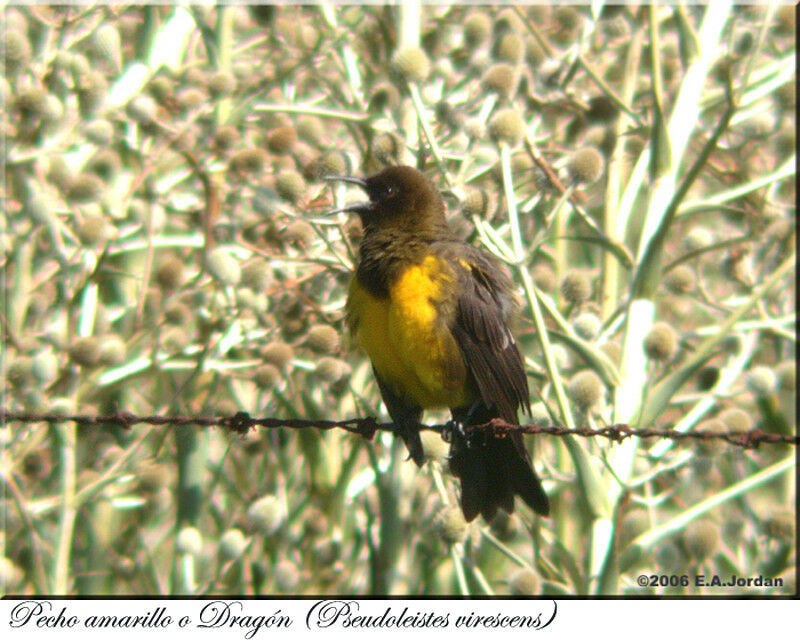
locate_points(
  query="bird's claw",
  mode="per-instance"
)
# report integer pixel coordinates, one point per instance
(410, 437)
(452, 429)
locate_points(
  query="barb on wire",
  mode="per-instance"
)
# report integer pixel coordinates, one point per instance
(242, 422)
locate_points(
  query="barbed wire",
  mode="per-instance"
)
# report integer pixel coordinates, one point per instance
(242, 422)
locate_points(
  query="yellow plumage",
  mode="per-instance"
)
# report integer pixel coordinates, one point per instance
(405, 340)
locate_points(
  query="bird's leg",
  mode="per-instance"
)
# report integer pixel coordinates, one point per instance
(409, 433)
(406, 417)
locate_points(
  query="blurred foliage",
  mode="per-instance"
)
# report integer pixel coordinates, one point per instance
(165, 251)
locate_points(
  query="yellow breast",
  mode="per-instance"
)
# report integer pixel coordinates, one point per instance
(409, 347)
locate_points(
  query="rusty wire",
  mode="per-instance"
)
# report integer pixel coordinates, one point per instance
(242, 422)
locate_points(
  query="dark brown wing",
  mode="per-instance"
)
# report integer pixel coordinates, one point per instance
(491, 472)
(480, 328)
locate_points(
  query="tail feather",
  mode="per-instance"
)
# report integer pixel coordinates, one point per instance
(492, 472)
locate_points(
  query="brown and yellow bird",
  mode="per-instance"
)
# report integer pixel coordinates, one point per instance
(431, 312)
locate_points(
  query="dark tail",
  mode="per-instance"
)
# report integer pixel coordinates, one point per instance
(492, 471)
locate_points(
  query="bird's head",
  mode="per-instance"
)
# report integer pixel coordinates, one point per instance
(400, 197)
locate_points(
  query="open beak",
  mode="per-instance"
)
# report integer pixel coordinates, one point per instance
(358, 207)
(361, 182)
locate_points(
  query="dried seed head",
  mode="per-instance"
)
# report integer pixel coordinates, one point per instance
(85, 351)
(476, 202)
(222, 83)
(92, 229)
(248, 299)
(45, 366)
(162, 89)
(266, 515)
(111, 351)
(331, 163)
(587, 325)
(267, 376)
(576, 287)
(544, 277)
(507, 21)
(525, 582)
(142, 109)
(223, 266)
(99, 132)
(761, 381)
(668, 557)
(84, 188)
(384, 95)
(540, 416)
(385, 148)
(509, 47)
(175, 339)
(661, 342)
(451, 526)
(323, 338)
(585, 165)
(707, 377)
(248, 160)
(282, 139)
(232, 544)
(104, 164)
(698, 238)
(567, 17)
(189, 98)
(285, 577)
(299, 232)
(602, 109)
(290, 185)
(736, 420)
(189, 541)
(257, 275)
(502, 78)
(311, 129)
(225, 137)
(411, 63)
(585, 389)
(177, 313)
(169, 273)
(507, 126)
(20, 371)
(477, 27)
(17, 49)
(702, 539)
(107, 46)
(331, 369)
(681, 279)
(279, 354)
(534, 54)
(31, 103)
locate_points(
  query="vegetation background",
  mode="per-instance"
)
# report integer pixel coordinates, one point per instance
(165, 252)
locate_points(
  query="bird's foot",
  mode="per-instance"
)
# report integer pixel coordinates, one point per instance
(454, 430)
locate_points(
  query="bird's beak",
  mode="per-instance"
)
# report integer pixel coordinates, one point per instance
(361, 182)
(358, 207)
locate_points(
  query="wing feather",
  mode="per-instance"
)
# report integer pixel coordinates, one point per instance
(481, 331)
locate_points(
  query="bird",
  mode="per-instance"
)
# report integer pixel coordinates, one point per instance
(431, 312)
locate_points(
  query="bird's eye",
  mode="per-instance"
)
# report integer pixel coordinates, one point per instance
(390, 190)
